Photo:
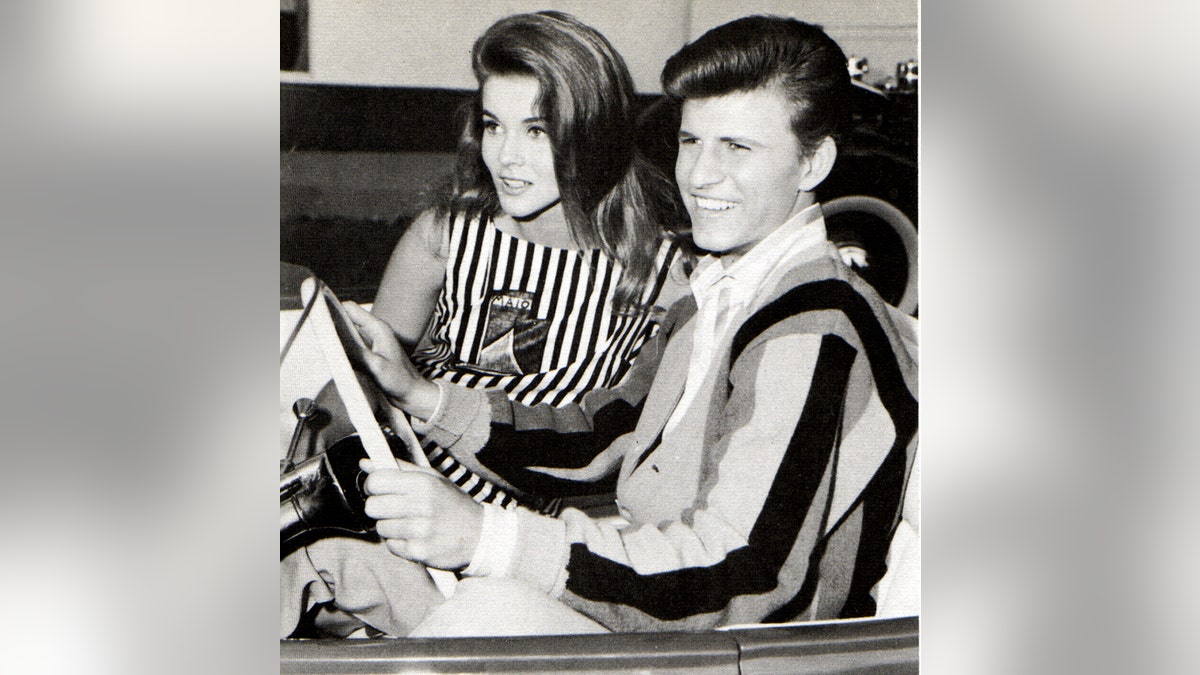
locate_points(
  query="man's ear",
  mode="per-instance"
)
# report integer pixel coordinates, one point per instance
(818, 164)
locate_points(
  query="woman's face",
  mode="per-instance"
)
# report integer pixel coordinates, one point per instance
(516, 146)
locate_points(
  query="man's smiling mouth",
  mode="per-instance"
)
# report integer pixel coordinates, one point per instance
(710, 204)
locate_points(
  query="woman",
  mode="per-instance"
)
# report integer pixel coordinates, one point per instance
(537, 273)
(546, 168)
(538, 269)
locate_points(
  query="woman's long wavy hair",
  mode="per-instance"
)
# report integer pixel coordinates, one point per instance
(612, 197)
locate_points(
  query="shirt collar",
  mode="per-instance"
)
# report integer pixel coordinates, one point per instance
(801, 233)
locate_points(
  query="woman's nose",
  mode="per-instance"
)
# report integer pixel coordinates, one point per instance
(511, 150)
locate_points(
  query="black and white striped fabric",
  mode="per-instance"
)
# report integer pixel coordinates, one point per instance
(479, 488)
(533, 320)
(537, 322)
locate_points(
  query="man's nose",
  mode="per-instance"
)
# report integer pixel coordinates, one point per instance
(705, 169)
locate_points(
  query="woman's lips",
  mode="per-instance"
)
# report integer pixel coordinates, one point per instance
(514, 185)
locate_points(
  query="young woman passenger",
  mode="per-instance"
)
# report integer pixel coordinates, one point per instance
(538, 268)
(538, 272)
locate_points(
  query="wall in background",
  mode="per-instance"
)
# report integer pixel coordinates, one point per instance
(427, 43)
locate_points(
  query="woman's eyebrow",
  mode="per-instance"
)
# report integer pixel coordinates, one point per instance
(528, 120)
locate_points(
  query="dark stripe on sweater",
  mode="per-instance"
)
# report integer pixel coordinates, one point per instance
(838, 295)
(649, 449)
(881, 503)
(509, 452)
(664, 270)
(754, 568)
(792, 609)
(881, 498)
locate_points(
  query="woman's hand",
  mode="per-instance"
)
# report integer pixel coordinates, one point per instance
(390, 366)
(423, 517)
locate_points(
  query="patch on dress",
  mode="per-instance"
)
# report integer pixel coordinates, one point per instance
(514, 339)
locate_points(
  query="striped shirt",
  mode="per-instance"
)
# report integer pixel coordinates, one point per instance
(536, 321)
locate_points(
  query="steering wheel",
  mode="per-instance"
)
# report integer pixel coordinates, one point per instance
(866, 231)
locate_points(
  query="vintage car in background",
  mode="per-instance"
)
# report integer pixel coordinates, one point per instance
(355, 164)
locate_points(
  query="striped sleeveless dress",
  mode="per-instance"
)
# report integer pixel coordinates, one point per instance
(535, 321)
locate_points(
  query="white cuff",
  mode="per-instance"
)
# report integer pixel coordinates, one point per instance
(422, 426)
(497, 543)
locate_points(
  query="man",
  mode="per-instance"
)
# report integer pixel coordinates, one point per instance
(776, 414)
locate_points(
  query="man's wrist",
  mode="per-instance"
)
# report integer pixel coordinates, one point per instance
(497, 543)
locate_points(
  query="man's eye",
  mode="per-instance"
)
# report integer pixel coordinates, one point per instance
(738, 146)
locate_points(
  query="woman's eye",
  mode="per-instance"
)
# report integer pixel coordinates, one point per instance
(537, 132)
(490, 126)
(688, 140)
(738, 146)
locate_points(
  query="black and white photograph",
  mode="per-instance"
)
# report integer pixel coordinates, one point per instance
(598, 331)
(599, 336)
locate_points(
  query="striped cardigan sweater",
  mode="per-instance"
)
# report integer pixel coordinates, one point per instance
(774, 500)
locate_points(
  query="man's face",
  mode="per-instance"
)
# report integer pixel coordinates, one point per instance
(739, 169)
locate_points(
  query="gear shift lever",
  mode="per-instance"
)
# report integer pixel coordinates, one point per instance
(304, 409)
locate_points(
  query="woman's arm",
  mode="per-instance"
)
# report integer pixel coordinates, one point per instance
(413, 279)
(540, 449)
(544, 450)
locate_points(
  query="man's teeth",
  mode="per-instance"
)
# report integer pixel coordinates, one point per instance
(709, 204)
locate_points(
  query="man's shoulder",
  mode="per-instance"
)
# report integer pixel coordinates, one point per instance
(820, 296)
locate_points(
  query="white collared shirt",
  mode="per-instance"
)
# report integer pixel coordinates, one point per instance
(723, 292)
